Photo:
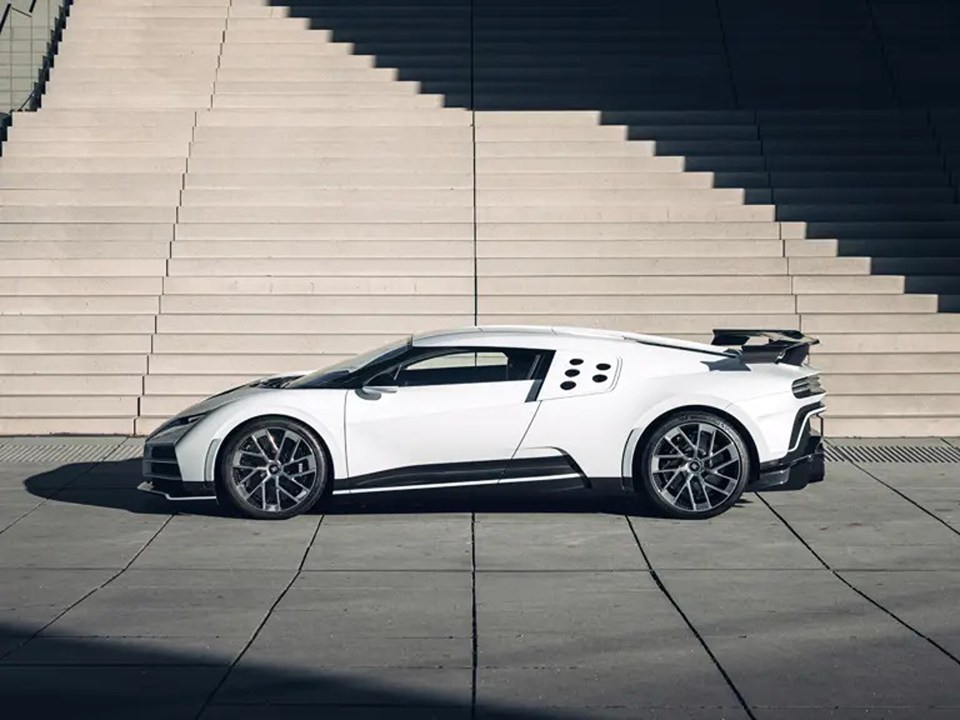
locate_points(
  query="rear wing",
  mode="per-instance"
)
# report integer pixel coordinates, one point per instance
(786, 346)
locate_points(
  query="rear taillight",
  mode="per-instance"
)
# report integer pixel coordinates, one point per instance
(805, 387)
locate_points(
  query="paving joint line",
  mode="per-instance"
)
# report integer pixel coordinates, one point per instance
(696, 633)
(857, 590)
(474, 636)
(910, 500)
(266, 617)
(53, 495)
(91, 592)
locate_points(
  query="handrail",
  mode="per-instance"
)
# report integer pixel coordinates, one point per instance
(50, 31)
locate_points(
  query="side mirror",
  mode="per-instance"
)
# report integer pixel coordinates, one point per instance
(380, 385)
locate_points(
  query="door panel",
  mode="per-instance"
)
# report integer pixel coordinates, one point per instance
(436, 424)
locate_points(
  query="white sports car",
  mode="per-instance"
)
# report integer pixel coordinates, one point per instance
(689, 425)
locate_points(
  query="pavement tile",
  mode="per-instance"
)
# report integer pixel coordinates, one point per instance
(141, 651)
(166, 612)
(915, 475)
(29, 599)
(944, 503)
(76, 536)
(257, 684)
(918, 712)
(211, 542)
(392, 542)
(569, 541)
(40, 479)
(927, 601)
(580, 640)
(802, 638)
(341, 712)
(106, 692)
(749, 536)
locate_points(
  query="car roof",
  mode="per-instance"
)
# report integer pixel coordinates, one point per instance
(547, 336)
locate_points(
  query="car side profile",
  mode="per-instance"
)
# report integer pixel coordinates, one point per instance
(691, 426)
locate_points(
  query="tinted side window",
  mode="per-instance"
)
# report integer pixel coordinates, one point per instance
(468, 366)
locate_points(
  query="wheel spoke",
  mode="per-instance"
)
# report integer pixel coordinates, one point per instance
(282, 466)
(680, 466)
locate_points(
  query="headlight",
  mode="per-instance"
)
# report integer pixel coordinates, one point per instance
(178, 422)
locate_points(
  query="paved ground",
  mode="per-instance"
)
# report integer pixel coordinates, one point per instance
(841, 602)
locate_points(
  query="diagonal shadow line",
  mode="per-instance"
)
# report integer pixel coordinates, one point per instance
(653, 65)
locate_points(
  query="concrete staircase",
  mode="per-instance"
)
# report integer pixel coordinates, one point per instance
(215, 191)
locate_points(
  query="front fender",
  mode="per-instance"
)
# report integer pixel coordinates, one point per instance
(197, 449)
(699, 401)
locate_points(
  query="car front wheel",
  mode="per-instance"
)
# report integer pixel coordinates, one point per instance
(695, 465)
(272, 468)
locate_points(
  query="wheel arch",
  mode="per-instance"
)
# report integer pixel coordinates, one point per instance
(640, 436)
(241, 423)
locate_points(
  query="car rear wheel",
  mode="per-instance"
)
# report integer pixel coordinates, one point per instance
(695, 465)
(272, 468)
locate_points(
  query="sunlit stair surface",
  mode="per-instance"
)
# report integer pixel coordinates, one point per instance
(214, 191)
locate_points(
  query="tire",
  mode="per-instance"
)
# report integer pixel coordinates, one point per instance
(695, 465)
(272, 468)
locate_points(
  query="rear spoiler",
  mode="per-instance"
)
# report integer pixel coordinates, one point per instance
(786, 346)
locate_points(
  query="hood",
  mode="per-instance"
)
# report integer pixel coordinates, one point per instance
(226, 397)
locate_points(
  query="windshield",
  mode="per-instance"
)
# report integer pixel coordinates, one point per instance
(351, 365)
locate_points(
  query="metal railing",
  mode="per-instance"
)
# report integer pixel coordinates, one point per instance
(29, 33)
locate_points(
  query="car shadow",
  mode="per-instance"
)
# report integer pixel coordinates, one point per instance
(114, 484)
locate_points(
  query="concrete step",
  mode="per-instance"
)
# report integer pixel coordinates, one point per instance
(70, 385)
(63, 406)
(181, 384)
(75, 344)
(64, 324)
(387, 213)
(320, 269)
(892, 427)
(611, 197)
(847, 284)
(335, 117)
(72, 250)
(356, 251)
(899, 406)
(71, 426)
(879, 363)
(540, 308)
(619, 230)
(623, 284)
(280, 343)
(672, 325)
(457, 307)
(31, 305)
(255, 365)
(307, 231)
(892, 384)
(328, 181)
(609, 267)
(907, 342)
(343, 165)
(100, 232)
(294, 324)
(532, 251)
(57, 364)
(399, 147)
(83, 268)
(866, 303)
(93, 165)
(87, 214)
(80, 286)
(876, 323)
(143, 182)
(81, 149)
(86, 198)
(161, 134)
(327, 285)
(284, 137)
(330, 101)
(624, 213)
(306, 198)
